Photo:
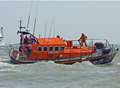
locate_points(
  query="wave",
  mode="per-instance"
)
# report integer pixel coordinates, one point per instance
(9, 70)
(6, 64)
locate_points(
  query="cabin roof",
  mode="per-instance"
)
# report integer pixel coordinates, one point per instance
(51, 41)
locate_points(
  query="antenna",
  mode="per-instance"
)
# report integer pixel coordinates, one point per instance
(20, 27)
(45, 26)
(50, 31)
(34, 26)
(28, 23)
(29, 14)
(52, 28)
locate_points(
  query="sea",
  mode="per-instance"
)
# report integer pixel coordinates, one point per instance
(52, 75)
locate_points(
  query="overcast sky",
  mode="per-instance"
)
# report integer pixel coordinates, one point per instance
(99, 19)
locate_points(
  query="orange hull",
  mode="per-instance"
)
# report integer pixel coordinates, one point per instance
(67, 53)
(52, 49)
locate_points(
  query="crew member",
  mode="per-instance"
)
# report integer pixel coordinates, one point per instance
(82, 40)
(58, 36)
(26, 40)
(21, 38)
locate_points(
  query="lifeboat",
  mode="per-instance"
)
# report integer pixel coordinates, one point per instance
(32, 49)
(60, 51)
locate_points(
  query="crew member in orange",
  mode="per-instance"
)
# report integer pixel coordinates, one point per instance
(82, 40)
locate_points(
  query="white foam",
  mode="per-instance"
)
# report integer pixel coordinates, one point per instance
(6, 64)
(87, 62)
(8, 69)
(118, 63)
(2, 43)
(106, 72)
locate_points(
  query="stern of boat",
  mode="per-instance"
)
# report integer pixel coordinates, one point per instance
(105, 53)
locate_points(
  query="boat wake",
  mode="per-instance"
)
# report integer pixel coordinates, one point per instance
(118, 63)
(9, 70)
(6, 64)
(87, 63)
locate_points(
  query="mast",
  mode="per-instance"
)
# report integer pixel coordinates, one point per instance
(21, 27)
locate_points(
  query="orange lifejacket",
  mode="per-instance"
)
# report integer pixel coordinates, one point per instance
(83, 38)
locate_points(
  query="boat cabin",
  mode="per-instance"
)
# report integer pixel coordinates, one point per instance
(49, 45)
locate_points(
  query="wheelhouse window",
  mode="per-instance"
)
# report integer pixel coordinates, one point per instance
(45, 48)
(61, 48)
(50, 48)
(40, 48)
(56, 48)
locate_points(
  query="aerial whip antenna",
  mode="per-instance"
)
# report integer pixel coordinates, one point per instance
(34, 26)
(50, 30)
(45, 26)
(51, 25)
(28, 23)
(35, 20)
(54, 29)
(20, 27)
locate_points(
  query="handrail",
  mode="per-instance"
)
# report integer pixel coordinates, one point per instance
(87, 39)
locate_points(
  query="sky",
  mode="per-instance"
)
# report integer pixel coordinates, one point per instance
(59, 0)
(98, 19)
